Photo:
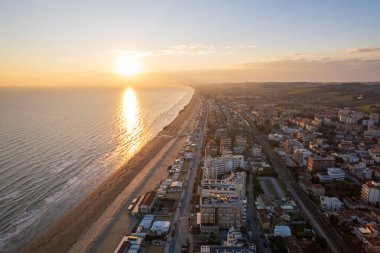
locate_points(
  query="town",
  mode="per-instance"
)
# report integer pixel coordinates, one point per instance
(262, 172)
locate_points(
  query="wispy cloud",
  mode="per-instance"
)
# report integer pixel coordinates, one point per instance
(247, 46)
(186, 49)
(364, 50)
(183, 49)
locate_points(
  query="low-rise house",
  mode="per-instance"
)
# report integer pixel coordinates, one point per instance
(234, 238)
(147, 203)
(369, 236)
(160, 227)
(336, 174)
(266, 201)
(283, 231)
(129, 244)
(323, 177)
(317, 190)
(330, 203)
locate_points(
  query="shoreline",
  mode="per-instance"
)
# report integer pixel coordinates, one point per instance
(68, 230)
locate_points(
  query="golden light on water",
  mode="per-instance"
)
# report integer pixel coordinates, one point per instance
(128, 65)
(131, 121)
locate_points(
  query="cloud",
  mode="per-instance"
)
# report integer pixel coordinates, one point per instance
(134, 53)
(364, 50)
(183, 49)
(247, 46)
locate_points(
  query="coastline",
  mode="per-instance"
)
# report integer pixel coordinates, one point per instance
(73, 226)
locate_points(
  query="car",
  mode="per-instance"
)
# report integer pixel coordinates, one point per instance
(252, 246)
(184, 249)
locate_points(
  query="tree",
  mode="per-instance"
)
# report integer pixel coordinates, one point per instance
(321, 242)
(279, 244)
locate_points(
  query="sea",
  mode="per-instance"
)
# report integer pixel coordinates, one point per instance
(58, 144)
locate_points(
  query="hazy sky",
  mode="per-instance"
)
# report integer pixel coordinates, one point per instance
(77, 42)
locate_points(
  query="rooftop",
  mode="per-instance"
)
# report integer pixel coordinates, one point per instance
(148, 198)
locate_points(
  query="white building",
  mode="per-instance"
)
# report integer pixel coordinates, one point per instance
(371, 192)
(336, 173)
(236, 182)
(283, 231)
(330, 203)
(234, 238)
(221, 165)
(160, 227)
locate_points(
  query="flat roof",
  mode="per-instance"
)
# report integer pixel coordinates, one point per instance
(148, 198)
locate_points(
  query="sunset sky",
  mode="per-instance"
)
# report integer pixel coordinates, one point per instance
(71, 42)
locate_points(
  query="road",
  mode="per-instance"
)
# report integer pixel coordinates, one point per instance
(257, 237)
(319, 222)
(182, 216)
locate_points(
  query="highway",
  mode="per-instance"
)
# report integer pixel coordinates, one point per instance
(181, 229)
(319, 222)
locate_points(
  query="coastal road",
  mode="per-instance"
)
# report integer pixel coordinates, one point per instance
(182, 234)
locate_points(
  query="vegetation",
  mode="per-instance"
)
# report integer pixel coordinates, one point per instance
(257, 190)
(279, 244)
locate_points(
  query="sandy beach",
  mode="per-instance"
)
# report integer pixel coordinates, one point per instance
(81, 225)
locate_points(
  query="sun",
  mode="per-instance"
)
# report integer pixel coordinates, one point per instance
(128, 65)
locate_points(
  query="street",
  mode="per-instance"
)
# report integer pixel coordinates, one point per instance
(182, 216)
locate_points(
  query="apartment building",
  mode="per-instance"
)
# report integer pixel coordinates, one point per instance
(371, 192)
(215, 167)
(316, 164)
(236, 182)
(221, 212)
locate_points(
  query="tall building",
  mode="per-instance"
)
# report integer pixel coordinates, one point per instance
(215, 167)
(316, 164)
(221, 212)
(371, 193)
(236, 183)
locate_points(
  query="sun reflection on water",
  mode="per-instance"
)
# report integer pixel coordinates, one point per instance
(131, 121)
